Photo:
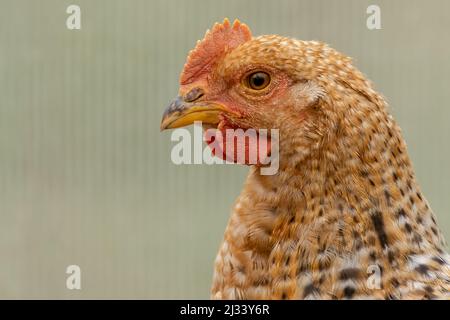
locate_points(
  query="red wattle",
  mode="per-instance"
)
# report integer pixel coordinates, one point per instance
(254, 144)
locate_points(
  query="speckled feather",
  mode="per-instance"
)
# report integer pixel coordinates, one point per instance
(345, 198)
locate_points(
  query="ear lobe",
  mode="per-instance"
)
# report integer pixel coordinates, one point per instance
(221, 39)
(309, 92)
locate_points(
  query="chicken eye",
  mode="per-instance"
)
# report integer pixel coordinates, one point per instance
(258, 80)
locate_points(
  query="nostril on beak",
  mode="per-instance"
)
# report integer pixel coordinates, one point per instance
(194, 95)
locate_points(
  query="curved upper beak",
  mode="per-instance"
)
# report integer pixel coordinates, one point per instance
(180, 113)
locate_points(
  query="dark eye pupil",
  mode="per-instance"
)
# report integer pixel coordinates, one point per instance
(258, 80)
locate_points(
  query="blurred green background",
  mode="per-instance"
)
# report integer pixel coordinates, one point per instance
(85, 174)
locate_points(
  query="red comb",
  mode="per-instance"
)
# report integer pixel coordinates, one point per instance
(221, 39)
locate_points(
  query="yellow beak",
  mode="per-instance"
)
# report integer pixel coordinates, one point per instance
(180, 113)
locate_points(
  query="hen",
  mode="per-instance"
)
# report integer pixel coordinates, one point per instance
(344, 216)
